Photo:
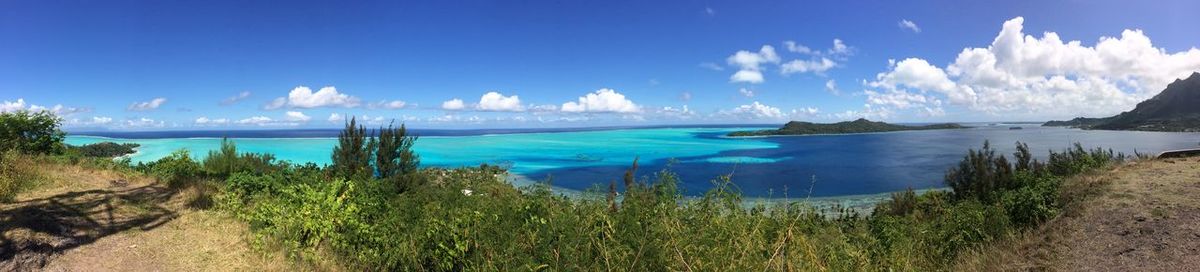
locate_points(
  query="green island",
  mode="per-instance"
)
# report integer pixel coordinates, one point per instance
(856, 126)
(374, 208)
(1174, 109)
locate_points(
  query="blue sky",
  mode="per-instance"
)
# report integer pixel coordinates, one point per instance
(143, 65)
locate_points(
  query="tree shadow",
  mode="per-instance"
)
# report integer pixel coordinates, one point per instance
(32, 232)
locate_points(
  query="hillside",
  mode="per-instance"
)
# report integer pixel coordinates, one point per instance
(856, 126)
(1176, 108)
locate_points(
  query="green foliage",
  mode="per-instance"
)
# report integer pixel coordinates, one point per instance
(394, 158)
(352, 155)
(104, 149)
(856, 126)
(227, 161)
(177, 169)
(31, 132)
(980, 174)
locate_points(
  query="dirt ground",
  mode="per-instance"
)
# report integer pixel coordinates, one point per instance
(94, 220)
(1147, 220)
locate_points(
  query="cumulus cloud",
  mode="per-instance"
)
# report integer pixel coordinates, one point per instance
(391, 105)
(831, 87)
(603, 100)
(9, 106)
(1045, 77)
(494, 101)
(794, 47)
(205, 121)
(59, 109)
(147, 105)
(750, 64)
(335, 118)
(143, 122)
(909, 25)
(677, 113)
(256, 120)
(754, 110)
(303, 97)
(805, 66)
(453, 104)
(840, 48)
(296, 116)
(236, 98)
(746, 92)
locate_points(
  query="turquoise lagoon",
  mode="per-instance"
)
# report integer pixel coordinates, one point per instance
(768, 167)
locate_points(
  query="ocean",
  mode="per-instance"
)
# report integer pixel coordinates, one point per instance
(770, 167)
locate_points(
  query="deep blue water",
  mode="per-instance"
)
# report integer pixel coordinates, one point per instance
(866, 163)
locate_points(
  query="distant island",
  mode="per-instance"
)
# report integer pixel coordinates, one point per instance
(1177, 108)
(848, 127)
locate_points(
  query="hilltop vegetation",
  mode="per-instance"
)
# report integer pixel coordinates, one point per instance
(375, 209)
(1174, 109)
(856, 126)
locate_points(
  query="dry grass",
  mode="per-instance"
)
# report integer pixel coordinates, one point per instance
(82, 219)
(1142, 216)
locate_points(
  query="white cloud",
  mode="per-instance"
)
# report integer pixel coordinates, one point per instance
(236, 98)
(1029, 76)
(909, 25)
(603, 100)
(204, 121)
(147, 105)
(494, 101)
(831, 87)
(899, 99)
(303, 97)
(101, 120)
(754, 111)
(453, 104)
(840, 48)
(143, 123)
(256, 120)
(868, 112)
(797, 48)
(391, 105)
(804, 66)
(679, 113)
(9, 106)
(746, 92)
(750, 64)
(335, 118)
(711, 66)
(543, 108)
(296, 116)
(275, 104)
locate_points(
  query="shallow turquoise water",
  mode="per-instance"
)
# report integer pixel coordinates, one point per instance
(523, 153)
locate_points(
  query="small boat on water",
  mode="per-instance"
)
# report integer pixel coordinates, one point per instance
(1015, 128)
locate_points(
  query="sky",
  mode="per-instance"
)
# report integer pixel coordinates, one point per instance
(157, 65)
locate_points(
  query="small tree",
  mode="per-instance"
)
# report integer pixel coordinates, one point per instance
(352, 156)
(394, 158)
(31, 133)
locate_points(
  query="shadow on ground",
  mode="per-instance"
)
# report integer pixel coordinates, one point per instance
(32, 232)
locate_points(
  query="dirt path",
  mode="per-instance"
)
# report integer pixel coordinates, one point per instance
(1148, 220)
(85, 220)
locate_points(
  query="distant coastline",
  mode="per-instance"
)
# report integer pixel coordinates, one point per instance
(795, 128)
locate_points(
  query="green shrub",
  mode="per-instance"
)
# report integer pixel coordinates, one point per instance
(177, 169)
(31, 132)
(226, 161)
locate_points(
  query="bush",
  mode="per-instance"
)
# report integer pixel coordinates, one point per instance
(16, 174)
(177, 169)
(226, 161)
(31, 133)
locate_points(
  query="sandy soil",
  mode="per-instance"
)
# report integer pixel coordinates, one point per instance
(87, 220)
